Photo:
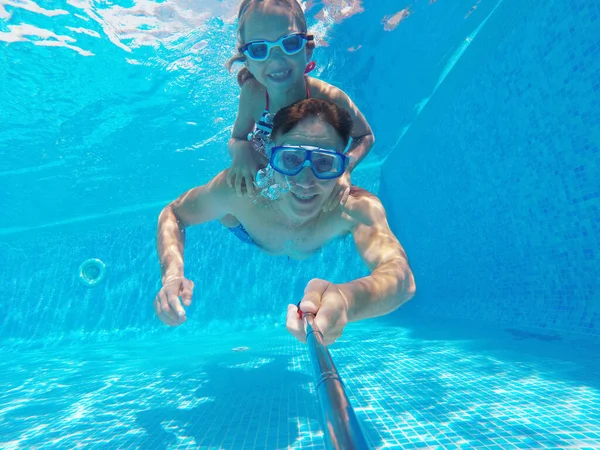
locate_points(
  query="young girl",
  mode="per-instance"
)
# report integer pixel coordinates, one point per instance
(275, 47)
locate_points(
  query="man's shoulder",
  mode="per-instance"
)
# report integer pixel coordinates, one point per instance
(218, 189)
(205, 203)
(223, 192)
(323, 90)
(219, 183)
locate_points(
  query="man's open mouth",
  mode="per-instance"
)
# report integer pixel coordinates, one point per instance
(304, 198)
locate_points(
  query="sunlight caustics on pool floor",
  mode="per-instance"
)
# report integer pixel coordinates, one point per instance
(412, 386)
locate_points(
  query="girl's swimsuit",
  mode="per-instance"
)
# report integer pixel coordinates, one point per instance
(262, 132)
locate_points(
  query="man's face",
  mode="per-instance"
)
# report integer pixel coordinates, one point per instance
(307, 193)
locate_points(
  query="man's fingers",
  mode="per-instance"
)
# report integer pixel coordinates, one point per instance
(230, 177)
(330, 313)
(326, 317)
(169, 321)
(316, 285)
(164, 303)
(323, 320)
(167, 303)
(173, 299)
(168, 313)
(187, 290)
(330, 338)
(294, 324)
(311, 302)
(157, 306)
(166, 318)
(313, 293)
(323, 299)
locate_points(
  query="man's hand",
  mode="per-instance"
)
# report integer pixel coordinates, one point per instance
(167, 304)
(324, 300)
(340, 193)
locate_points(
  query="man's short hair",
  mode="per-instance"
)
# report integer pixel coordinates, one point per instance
(288, 118)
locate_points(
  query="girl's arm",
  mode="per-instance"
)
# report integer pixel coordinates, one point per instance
(362, 135)
(245, 161)
(244, 122)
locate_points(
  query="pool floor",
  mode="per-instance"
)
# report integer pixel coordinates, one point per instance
(414, 383)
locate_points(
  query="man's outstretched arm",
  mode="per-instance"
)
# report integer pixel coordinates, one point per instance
(391, 282)
(199, 205)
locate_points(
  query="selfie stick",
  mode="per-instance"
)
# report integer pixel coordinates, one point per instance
(340, 426)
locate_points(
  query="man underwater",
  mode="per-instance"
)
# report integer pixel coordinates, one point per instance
(306, 157)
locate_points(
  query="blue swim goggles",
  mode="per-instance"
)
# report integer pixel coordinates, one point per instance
(325, 164)
(289, 44)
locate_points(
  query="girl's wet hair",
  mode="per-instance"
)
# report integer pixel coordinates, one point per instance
(246, 7)
(288, 118)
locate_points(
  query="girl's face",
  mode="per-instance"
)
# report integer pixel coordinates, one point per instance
(279, 72)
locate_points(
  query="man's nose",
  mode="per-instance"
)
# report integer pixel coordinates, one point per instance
(305, 178)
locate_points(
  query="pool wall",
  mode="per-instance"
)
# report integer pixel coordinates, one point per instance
(494, 188)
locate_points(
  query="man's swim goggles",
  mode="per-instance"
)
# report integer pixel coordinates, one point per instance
(291, 159)
(289, 44)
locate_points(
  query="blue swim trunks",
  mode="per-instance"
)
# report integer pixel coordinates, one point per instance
(242, 234)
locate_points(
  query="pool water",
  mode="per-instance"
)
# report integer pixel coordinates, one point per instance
(487, 124)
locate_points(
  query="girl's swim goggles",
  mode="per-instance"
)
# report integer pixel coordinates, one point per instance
(289, 44)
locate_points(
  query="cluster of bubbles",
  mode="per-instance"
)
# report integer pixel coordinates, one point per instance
(265, 181)
(267, 186)
(259, 140)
